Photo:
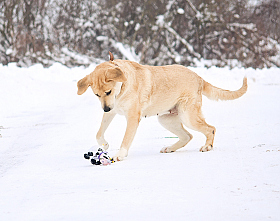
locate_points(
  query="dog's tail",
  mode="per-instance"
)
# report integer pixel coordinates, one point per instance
(215, 93)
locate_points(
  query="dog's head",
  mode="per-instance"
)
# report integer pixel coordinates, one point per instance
(105, 82)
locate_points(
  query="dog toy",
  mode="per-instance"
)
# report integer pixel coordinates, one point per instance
(101, 157)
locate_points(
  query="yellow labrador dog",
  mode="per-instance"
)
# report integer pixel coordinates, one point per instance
(172, 92)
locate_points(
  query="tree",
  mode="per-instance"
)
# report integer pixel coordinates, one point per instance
(225, 33)
(266, 16)
(159, 32)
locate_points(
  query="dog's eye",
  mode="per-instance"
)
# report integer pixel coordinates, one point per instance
(97, 95)
(108, 93)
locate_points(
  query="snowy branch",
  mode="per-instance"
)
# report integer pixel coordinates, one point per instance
(198, 15)
(249, 26)
(161, 22)
(183, 41)
(127, 52)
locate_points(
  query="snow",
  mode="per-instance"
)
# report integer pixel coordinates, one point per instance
(137, 27)
(250, 26)
(80, 58)
(181, 11)
(160, 20)
(46, 128)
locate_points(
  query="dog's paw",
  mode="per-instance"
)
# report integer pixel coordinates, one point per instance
(166, 150)
(103, 143)
(120, 155)
(105, 146)
(206, 148)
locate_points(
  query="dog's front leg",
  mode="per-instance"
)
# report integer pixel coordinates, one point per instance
(133, 120)
(106, 120)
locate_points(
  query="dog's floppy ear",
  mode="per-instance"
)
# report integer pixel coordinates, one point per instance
(83, 84)
(115, 74)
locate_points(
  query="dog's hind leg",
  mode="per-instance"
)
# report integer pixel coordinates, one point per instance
(106, 120)
(173, 123)
(192, 117)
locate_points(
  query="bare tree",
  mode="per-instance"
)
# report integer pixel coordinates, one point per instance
(76, 32)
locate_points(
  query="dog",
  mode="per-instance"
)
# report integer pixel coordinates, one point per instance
(172, 92)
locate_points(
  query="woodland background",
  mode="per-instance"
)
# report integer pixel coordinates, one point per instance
(78, 32)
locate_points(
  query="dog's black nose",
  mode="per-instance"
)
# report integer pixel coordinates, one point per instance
(106, 109)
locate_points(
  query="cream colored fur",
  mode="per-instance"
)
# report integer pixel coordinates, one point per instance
(173, 93)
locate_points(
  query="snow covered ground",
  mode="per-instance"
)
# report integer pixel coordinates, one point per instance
(46, 128)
